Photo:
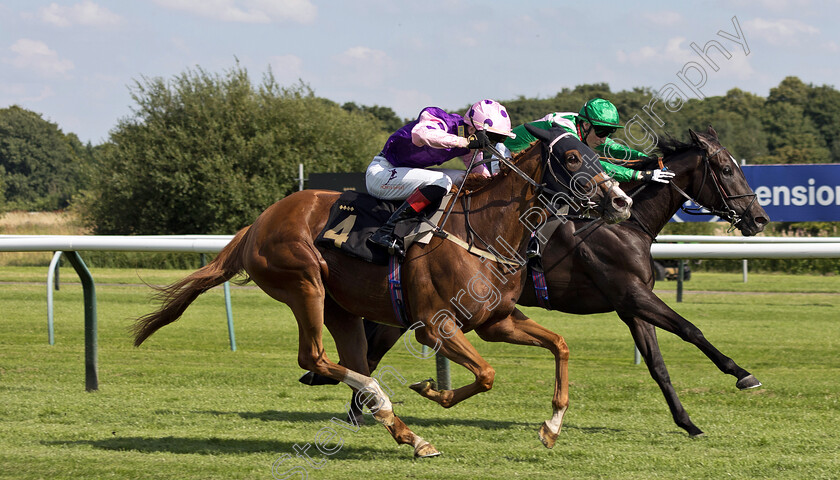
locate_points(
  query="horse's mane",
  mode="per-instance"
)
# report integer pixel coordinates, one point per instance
(476, 181)
(671, 146)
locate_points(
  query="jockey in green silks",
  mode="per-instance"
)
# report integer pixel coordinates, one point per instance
(596, 121)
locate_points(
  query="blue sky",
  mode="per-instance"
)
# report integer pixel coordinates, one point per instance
(73, 61)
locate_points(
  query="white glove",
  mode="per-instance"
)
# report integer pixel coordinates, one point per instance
(658, 175)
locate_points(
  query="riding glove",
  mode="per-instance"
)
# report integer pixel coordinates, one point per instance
(478, 140)
(658, 175)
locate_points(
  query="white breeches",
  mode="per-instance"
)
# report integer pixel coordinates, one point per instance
(388, 182)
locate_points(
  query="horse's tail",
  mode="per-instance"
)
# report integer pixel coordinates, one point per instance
(178, 296)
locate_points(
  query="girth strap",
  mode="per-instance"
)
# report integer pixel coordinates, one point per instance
(395, 288)
(540, 287)
(478, 251)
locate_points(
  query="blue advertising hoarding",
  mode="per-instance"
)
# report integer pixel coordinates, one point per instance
(790, 193)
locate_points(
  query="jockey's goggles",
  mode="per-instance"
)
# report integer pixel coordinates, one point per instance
(603, 131)
(497, 137)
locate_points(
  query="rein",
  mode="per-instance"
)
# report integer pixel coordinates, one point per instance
(469, 245)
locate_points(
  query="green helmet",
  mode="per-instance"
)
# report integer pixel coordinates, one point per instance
(600, 112)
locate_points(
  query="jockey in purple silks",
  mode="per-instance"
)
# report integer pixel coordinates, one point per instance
(400, 171)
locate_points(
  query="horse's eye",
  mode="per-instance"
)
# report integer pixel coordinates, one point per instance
(727, 170)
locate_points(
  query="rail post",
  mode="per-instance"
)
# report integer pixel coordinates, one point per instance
(680, 278)
(91, 365)
(442, 367)
(52, 282)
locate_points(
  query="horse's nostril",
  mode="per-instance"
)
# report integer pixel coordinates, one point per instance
(761, 221)
(620, 202)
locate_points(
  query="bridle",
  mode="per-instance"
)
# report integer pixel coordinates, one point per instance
(728, 213)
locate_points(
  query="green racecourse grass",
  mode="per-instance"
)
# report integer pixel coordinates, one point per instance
(184, 406)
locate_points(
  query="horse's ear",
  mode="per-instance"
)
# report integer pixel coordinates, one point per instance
(538, 133)
(711, 131)
(694, 137)
(698, 139)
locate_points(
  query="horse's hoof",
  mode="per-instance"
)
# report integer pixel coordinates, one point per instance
(385, 417)
(748, 382)
(354, 419)
(426, 450)
(424, 386)
(697, 435)
(547, 437)
(312, 378)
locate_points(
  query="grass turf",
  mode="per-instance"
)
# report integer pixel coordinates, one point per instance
(184, 406)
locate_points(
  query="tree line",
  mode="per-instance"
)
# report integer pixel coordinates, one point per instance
(206, 152)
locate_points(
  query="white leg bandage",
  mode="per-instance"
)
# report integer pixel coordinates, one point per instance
(368, 384)
(556, 421)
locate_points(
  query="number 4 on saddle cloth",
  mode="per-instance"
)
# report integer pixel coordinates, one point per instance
(355, 216)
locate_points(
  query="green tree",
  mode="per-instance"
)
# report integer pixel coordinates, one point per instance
(2, 189)
(206, 153)
(792, 136)
(823, 108)
(43, 167)
(390, 121)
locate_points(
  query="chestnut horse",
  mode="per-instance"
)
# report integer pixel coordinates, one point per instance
(609, 268)
(326, 287)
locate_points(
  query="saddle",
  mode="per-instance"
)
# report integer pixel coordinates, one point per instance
(355, 216)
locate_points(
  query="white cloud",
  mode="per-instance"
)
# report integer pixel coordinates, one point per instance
(672, 52)
(85, 13)
(364, 66)
(46, 92)
(37, 56)
(287, 69)
(407, 103)
(738, 66)
(664, 19)
(363, 55)
(779, 32)
(247, 11)
(469, 42)
(775, 5)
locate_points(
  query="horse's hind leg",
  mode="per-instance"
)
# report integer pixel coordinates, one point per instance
(521, 330)
(644, 334)
(349, 335)
(351, 343)
(296, 281)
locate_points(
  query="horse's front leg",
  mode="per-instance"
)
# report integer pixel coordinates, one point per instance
(451, 343)
(644, 304)
(644, 334)
(521, 330)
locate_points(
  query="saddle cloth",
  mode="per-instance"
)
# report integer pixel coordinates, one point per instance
(355, 216)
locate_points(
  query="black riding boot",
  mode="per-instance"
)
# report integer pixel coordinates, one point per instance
(413, 207)
(385, 237)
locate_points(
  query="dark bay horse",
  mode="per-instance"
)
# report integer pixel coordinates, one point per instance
(324, 287)
(609, 267)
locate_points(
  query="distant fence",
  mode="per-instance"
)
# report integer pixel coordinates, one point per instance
(70, 245)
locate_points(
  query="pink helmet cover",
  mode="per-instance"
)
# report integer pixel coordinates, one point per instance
(489, 115)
